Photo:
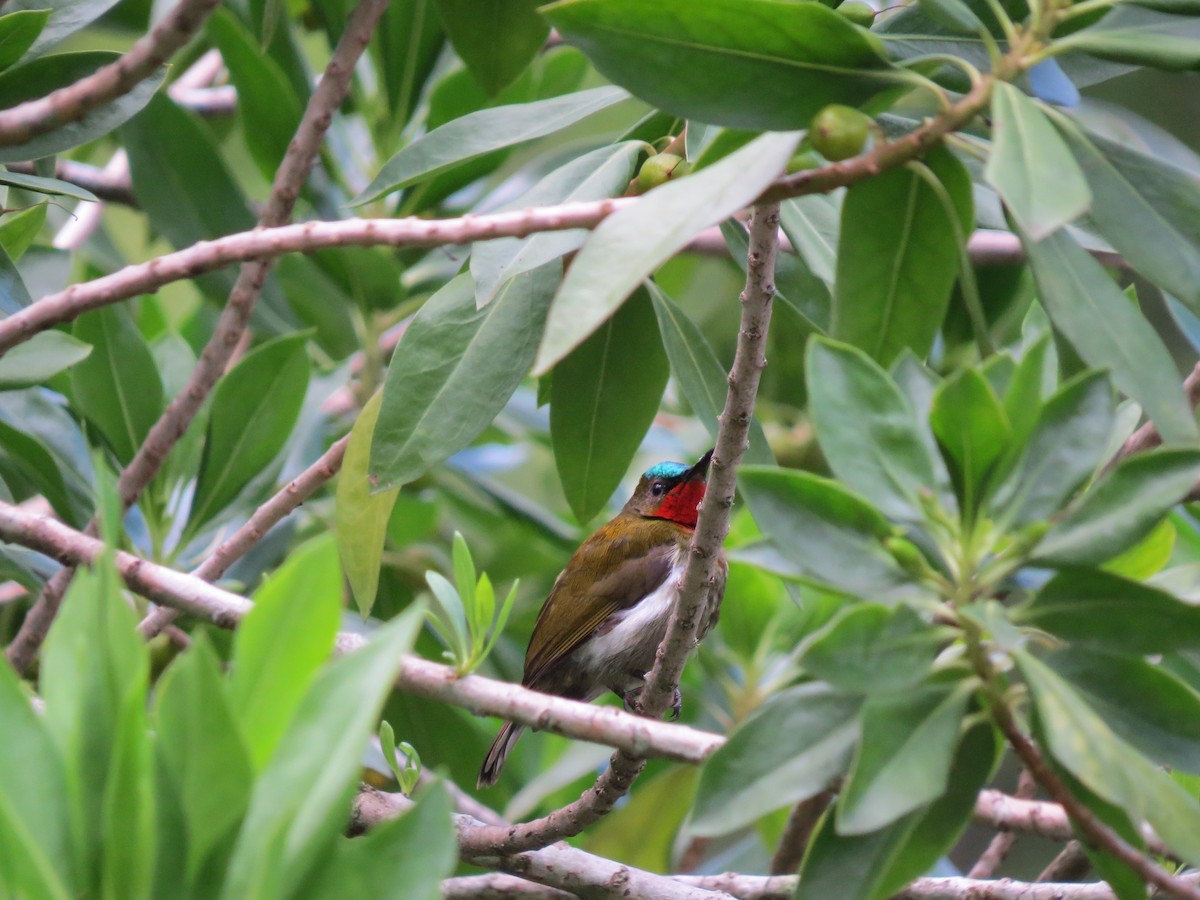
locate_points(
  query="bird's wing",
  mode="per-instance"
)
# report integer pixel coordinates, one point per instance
(579, 603)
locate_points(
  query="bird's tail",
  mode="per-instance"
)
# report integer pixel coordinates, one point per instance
(489, 772)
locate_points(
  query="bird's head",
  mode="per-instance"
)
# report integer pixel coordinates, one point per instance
(671, 491)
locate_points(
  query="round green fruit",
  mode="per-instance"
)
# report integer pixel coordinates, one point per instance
(858, 12)
(839, 132)
(659, 169)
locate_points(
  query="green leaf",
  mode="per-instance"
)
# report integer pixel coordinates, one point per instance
(870, 648)
(867, 429)
(19, 230)
(201, 748)
(1066, 445)
(1145, 207)
(473, 135)
(39, 77)
(1031, 167)
(795, 285)
(1082, 741)
(904, 756)
(629, 245)
(454, 370)
(281, 643)
(973, 431)
(598, 175)
(708, 59)
(899, 258)
(1141, 702)
(952, 14)
(268, 106)
(1103, 611)
(18, 31)
(40, 358)
(407, 42)
(1121, 509)
(128, 836)
(813, 225)
(254, 409)
(1139, 39)
(299, 802)
(700, 374)
(53, 187)
(788, 749)
(834, 536)
(497, 39)
(858, 866)
(1148, 556)
(603, 398)
(117, 386)
(14, 296)
(94, 676)
(1108, 332)
(66, 18)
(412, 852)
(361, 517)
(33, 798)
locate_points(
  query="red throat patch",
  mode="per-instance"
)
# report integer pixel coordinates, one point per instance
(679, 506)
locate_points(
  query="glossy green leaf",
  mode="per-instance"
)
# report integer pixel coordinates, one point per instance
(870, 648)
(128, 836)
(795, 285)
(788, 749)
(18, 31)
(268, 106)
(1148, 556)
(833, 535)
(708, 59)
(18, 230)
(972, 429)
(473, 135)
(361, 517)
(33, 798)
(254, 408)
(904, 756)
(299, 802)
(629, 245)
(858, 866)
(414, 851)
(1031, 167)
(1106, 612)
(93, 677)
(408, 41)
(1067, 443)
(899, 257)
(812, 225)
(1141, 702)
(1148, 209)
(1138, 38)
(603, 399)
(41, 76)
(598, 175)
(1083, 742)
(867, 429)
(700, 374)
(117, 385)
(497, 39)
(201, 747)
(1121, 509)
(454, 370)
(282, 642)
(66, 18)
(1108, 332)
(39, 358)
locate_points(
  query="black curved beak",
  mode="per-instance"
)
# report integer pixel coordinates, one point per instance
(700, 470)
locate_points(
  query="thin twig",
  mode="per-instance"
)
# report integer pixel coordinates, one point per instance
(25, 121)
(798, 831)
(1147, 437)
(234, 319)
(264, 519)
(1039, 817)
(991, 858)
(1071, 864)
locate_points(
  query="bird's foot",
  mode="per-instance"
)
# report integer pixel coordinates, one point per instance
(631, 700)
(676, 705)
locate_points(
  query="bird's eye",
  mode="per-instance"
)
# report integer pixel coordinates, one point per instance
(657, 489)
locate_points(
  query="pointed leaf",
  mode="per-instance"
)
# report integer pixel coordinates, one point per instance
(870, 648)
(629, 245)
(708, 59)
(1031, 167)
(40, 358)
(18, 31)
(795, 285)
(973, 431)
(603, 398)
(254, 409)
(497, 39)
(858, 866)
(454, 370)
(361, 517)
(52, 187)
(813, 225)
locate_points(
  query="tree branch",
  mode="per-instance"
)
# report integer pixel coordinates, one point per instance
(27, 120)
(991, 858)
(799, 830)
(234, 319)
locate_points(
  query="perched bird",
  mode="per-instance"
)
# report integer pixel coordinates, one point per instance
(607, 613)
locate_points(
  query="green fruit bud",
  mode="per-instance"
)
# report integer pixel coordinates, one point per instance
(804, 159)
(908, 555)
(839, 132)
(659, 169)
(858, 12)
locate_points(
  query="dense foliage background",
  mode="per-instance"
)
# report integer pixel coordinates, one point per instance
(960, 561)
